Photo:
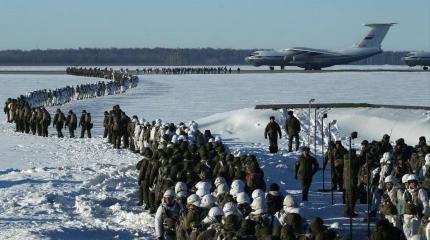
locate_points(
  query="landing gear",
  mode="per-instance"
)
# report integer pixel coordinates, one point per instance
(282, 67)
(317, 68)
(425, 68)
(308, 68)
(272, 68)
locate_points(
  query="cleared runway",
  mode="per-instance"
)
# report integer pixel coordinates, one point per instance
(59, 72)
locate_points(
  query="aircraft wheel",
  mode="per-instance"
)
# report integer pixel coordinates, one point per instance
(425, 68)
(282, 67)
(272, 68)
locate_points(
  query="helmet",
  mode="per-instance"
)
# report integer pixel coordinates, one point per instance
(405, 178)
(234, 190)
(218, 139)
(242, 198)
(215, 211)
(169, 193)
(412, 177)
(203, 188)
(289, 201)
(211, 140)
(223, 188)
(158, 122)
(181, 186)
(386, 157)
(259, 205)
(141, 121)
(229, 209)
(193, 199)
(257, 193)
(390, 179)
(219, 180)
(147, 124)
(238, 184)
(207, 201)
(182, 194)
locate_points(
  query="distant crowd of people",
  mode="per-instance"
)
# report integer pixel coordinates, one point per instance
(122, 74)
(187, 70)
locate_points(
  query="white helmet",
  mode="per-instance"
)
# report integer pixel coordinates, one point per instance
(219, 180)
(386, 157)
(207, 201)
(405, 178)
(211, 140)
(235, 190)
(390, 179)
(181, 187)
(218, 139)
(259, 206)
(193, 199)
(223, 188)
(182, 194)
(242, 198)
(215, 211)
(427, 159)
(229, 209)
(289, 201)
(258, 193)
(169, 193)
(203, 188)
(141, 121)
(412, 177)
(158, 122)
(238, 184)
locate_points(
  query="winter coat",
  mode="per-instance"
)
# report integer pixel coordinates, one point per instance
(410, 225)
(292, 126)
(272, 130)
(166, 218)
(306, 167)
(419, 198)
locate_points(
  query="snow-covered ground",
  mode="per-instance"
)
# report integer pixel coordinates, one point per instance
(73, 188)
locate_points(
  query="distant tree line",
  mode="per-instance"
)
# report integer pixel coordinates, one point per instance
(150, 56)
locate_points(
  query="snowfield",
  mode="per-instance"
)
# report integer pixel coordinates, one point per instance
(84, 189)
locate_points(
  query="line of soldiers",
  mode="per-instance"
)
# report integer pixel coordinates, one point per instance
(199, 190)
(122, 74)
(187, 70)
(393, 179)
(37, 120)
(60, 96)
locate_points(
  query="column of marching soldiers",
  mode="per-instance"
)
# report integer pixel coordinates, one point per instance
(187, 70)
(29, 114)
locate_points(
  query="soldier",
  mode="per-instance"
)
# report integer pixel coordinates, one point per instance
(384, 144)
(58, 122)
(384, 230)
(85, 124)
(350, 172)
(317, 230)
(274, 199)
(272, 130)
(71, 123)
(292, 126)
(46, 121)
(6, 109)
(290, 216)
(106, 124)
(167, 216)
(266, 225)
(306, 166)
(389, 201)
(338, 154)
(417, 196)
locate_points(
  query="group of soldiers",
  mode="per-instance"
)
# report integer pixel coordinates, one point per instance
(393, 180)
(60, 96)
(187, 70)
(122, 74)
(37, 120)
(273, 131)
(199, 190)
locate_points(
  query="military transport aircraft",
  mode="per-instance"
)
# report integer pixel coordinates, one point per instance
(418, 59)
(315, 59)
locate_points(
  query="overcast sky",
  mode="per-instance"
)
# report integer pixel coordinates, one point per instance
(332, 24)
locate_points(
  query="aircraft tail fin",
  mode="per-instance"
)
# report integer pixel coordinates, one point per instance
(374, 37)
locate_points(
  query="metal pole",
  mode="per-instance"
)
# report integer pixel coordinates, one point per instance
(350, 188)
(368, 195)
(315, 132)
(322, 148)
(309, 116)
(331, 163)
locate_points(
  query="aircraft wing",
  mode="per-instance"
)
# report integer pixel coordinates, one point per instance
(313, 52)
